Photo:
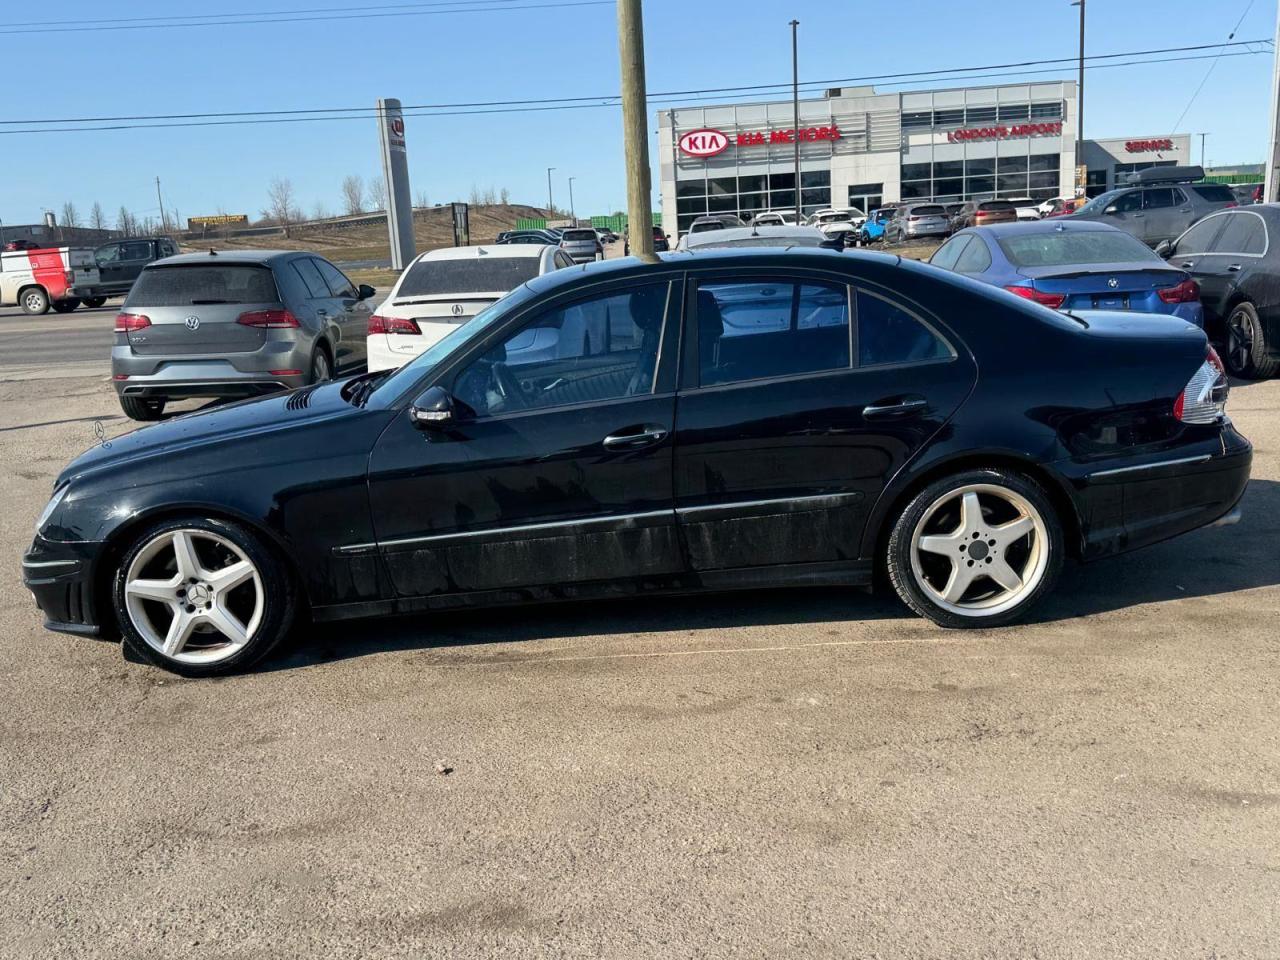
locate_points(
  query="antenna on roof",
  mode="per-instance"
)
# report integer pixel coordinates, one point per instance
(213, 252)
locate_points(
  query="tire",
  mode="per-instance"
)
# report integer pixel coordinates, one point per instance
(65, 306)
(942, 514)
(151, 588)
(34, 301)
(1245, 350)
(94, 302)
(321, 366)
(142, 408)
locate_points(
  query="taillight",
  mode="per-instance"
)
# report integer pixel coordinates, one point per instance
(379, 324)
(268, 319)
(70, 276)
(913, 219)
(1204, 398)
(1188, 291)
(131, 321)
(1051, 300)
(1232, 204)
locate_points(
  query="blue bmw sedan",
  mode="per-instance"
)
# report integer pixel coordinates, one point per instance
(1067, 265)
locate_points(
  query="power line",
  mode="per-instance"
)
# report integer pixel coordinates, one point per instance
(957, 73)
(1209, 72)
(505, 7)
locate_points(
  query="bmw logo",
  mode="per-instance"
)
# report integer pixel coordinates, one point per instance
(193, 323)
(1113, 283)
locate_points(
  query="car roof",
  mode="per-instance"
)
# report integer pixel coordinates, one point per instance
(781, 232)
(259, 257)
(496, 250)
(1056, 225)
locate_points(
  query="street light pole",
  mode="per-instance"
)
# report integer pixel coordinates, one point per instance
(795, 107)
(551, 207)
(1080, 98)
(572, 210)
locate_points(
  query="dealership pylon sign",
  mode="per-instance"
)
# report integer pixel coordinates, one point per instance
(395, 168)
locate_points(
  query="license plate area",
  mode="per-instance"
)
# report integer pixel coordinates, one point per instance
(1111, 303)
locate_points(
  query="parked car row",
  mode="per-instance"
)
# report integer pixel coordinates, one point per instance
(39, 279)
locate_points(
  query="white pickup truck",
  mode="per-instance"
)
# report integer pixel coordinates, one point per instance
(58, 277)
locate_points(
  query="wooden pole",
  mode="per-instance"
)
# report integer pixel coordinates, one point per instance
(635, 124)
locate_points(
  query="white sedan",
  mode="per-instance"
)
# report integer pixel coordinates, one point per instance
(444, 288)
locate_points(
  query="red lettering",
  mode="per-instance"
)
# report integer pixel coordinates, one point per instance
(782, 136)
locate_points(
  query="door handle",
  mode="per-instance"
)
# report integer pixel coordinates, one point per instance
(894, 410)
(633, 438)
(322, 312)
(1188, 265)
(1233, 268)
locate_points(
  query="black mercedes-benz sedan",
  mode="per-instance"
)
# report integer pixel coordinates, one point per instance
(701, 421)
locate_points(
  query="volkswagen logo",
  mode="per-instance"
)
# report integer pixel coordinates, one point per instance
(457, 309)
(1113, 283)
(193, 323)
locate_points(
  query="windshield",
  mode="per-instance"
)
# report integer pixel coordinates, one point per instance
(439, 351)
(187, 285)
(1100, 202)
(1057, 249)
(492, 274)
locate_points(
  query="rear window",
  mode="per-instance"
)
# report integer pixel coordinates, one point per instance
(191, 285)
(706, 225)
(580, 235)
(928, 210)
(1054, 249)
(988, 206)
(479, 275)
(1214, 192)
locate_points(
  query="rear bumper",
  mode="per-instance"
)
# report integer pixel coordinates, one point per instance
(88, 291)
(1127, 504)
(60, 578)
(215, 375)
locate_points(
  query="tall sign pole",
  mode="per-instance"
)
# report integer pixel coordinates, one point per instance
(395, 170)
(635, 127)
(1271, 189)
(1081, 172)
(795, 107)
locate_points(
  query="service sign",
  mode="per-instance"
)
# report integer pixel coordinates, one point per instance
(1147, 146)
(703, 143)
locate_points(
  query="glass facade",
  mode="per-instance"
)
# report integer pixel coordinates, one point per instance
(748, 194)
(1032, 175)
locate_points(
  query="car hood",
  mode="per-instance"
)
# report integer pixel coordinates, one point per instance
(218, 424)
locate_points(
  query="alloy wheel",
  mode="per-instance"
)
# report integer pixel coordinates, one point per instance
(194, 596)
(320, 367)
(1239, 340)
(979, 550)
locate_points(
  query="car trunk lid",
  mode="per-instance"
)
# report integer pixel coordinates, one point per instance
(1123, 286)
(435, 316)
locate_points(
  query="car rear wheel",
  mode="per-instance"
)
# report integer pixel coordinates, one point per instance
(201, 597)
(65, 306)
(94, 302)
(977, 549)
(1247, 350)
(35, 301)
(321, 368)
(142, 408)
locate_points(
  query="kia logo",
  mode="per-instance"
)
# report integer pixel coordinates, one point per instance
(193, 323)
(457, 309)
(704, 143)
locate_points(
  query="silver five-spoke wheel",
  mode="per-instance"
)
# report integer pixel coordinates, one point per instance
(194, 596)
(979, 550)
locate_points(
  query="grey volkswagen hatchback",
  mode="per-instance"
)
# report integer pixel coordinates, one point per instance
(239, 324)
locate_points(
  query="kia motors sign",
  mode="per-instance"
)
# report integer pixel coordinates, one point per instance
(703, 143)
(1005, 132)
(1147, 146)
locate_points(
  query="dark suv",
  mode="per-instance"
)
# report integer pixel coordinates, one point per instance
(121, 261)
(1160, 203)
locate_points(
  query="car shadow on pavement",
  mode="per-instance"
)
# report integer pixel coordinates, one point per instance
(1206, 562)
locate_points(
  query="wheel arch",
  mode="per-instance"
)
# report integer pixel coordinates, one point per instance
(895, 499)
(34, 285)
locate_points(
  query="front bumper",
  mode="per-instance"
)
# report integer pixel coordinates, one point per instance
(60, 578)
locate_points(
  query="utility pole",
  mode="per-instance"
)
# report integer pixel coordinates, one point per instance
(1270, 189)
(164, 226)
(635, 126)
(572, 209)
(1202, 139)
(551, 207)
(1080, 161)
(795, 108)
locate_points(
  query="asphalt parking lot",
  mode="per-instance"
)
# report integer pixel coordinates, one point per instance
(773, 774)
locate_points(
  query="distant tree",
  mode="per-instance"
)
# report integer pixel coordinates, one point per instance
(353, 195)
(504, 196)
(422, 200)
(126, 223)
(489, 197)
(280, 203)
(474, 198)
(70, 216)
(378, 193)
(97, 219)
(175, 221)
(320, 211)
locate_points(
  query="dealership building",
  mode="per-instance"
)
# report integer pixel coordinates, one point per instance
(863, 149)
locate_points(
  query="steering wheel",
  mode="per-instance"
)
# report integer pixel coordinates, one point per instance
(512, 393)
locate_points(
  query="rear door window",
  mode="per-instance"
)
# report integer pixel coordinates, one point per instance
(975, 258)
(203, 284)
(317, 289)
(888, 333)
(1243, 234)
(1158, 198)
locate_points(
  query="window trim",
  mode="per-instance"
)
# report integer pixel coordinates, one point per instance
(951, 349)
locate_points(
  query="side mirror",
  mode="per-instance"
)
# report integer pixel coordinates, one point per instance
(434, 409)
(366, 291)
(1164, 249)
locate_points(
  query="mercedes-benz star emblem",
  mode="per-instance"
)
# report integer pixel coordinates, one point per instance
(193, 323)
(457, 309)
(1113, 283)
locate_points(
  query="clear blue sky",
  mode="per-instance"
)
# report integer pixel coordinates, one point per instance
(567, 51)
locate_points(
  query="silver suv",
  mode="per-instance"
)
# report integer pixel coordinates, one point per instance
(235, 325)
(1161, 203)
(581, 244)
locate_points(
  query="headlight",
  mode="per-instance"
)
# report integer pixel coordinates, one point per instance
(51, 506)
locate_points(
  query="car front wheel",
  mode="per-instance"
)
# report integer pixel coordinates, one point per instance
(977, 549)
(201, 597)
